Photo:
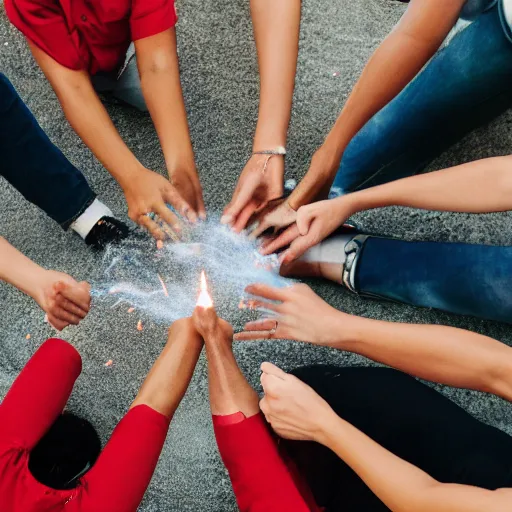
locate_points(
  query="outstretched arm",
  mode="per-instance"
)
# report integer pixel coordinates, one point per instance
(124, 469)
(403, 53)
(297, 412)
(63, 299)
(437, 353)
(261, 480)
(157, 61)
(276, 33)
(170, 376)
(145, 190)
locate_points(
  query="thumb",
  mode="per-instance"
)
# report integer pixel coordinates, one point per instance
(304, 219)
(239, 201)
(297, 248)
(272, 369)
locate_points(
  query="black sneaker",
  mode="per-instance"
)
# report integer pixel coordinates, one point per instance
(106, 231)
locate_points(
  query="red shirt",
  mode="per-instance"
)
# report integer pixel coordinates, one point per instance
(89, 34)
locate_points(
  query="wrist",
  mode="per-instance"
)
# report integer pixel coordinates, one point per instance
(329, 424)
(126, 178)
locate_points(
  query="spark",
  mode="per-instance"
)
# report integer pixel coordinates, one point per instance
(131, 310)
(27, 337)
(109, 363)
(163, 285)
(159, 244)
(139, 325)
(204, 300)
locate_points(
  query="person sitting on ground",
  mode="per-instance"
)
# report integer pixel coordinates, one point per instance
(414, 99)
(461, 278)
(366, 438)
(44, 176)
(84, 49)
(63, 300)
(51, 461)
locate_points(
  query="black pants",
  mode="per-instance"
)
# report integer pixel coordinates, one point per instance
(35, 166)
(408, 418)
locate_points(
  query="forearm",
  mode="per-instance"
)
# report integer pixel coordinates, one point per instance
(401, 486)
(157, 60)
(229, 390)
(88, 117)
(170, 376)
(18, 270)
(476, 187)
(447, 355)
(393, 65)
(90, 120)
(276, 32)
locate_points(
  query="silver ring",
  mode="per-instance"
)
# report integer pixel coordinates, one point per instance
(151, 215)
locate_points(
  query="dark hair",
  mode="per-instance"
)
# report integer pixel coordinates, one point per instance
(65, 453)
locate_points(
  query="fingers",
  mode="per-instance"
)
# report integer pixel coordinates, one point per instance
(272, 369)
(56, 323)
(304, 219)
(167, 216)
(79, 295)
(284, 239)
(267, 292)
(244, 216)
(297, 248)
(201, 209)
(152, 227)
(241, 197)
(266, 324)
(174, 198)
(60, 313)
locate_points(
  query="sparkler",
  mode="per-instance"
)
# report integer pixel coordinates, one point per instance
(204, 300)
(163, 285)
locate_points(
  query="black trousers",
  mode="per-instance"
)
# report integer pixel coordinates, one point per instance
(409, 419)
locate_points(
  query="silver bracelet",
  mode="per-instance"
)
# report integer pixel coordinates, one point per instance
(279, 151)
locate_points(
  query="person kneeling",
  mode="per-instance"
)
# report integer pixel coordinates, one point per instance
(49, 460)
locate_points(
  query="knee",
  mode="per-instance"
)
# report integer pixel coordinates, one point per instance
(362, 158)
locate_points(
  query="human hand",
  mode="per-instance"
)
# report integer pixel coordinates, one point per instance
(210, 326)
(278, 214)
(64, 300)
(300, 315)
(293, 409)
(146, 192)
(186, 181)
(314, 223)
(256, 187)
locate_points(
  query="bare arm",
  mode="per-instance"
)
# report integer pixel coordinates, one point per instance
(63, 299)
(297, 412)
(88, 117)
(170, 376)
(476, 187)
(433, 352)
(157, 61)
(145, 191)
(399, 58)
(398, 484)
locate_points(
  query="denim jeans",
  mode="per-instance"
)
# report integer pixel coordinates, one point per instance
(125, 85)
(465, 85)
(459, 278)
(35, 166)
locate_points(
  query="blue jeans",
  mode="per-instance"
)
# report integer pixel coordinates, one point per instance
(465, 85)
(35, 166)
(459, 278)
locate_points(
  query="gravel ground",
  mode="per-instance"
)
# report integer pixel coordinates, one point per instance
(220, 82)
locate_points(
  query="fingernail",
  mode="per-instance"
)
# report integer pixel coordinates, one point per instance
(226, 219)
(202, 215)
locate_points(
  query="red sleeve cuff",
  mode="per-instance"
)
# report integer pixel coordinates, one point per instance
(155, 22)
